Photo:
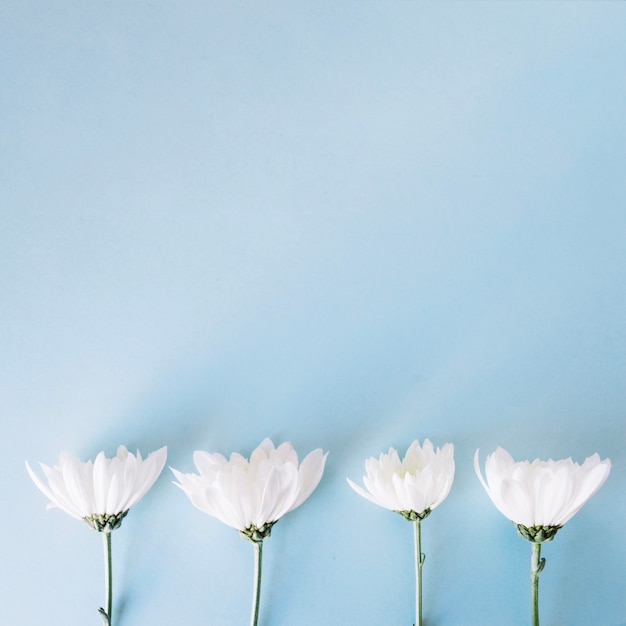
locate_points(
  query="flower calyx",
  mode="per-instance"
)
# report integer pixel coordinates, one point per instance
(537, 534)
(414, 516)
(257, 534)
(105, 523)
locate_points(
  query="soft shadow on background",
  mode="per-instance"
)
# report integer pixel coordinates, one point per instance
(343, 224)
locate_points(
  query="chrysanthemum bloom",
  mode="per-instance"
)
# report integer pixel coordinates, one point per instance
(539, 497)
(101, 492)
(412, 487)
(252, 495)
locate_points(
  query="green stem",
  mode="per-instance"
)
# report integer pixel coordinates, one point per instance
(108, 580)
(256, 594)
(419, 562)
(536, 566)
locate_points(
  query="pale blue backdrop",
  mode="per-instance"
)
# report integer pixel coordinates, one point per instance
(344, 224)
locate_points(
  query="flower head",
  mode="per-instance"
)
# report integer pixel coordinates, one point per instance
(414, 485)
(101, 492)
(542, 494)
(250, 495)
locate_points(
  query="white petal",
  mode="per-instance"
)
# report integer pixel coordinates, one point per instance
(207, 463)
(515, 503)
(146, 475)
(309, 475)
(279, 494)
(101, 482)
(61, 503)
(593, 478)
(362, 492)
(77, 478)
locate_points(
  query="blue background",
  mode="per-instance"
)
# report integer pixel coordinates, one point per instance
(344, 224)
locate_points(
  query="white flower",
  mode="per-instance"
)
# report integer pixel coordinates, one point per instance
(102, 491)
(541, 493)
(252, 495)
(418, 483)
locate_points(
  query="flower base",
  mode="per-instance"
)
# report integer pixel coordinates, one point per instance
(537, 534)
(413, 516)
(106, 523)
(257, 534)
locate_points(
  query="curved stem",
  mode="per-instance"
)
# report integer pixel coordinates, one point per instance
(536, 565)
(108, 579)
(419, 561)
(256, 592)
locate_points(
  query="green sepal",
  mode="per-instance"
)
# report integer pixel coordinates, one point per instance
(537, 534)
(413, 516)
(253, 533)
(106, 523)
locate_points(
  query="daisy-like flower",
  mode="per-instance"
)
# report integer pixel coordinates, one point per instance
(541, 494)
(101, 493)
(252, 495)
(539, 497)
(412, 487)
